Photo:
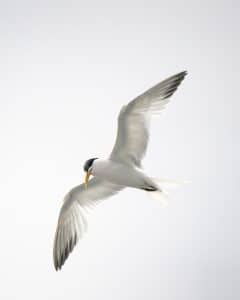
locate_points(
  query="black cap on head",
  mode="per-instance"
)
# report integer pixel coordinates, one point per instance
(88, 164)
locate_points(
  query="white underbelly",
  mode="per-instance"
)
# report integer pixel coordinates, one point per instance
(119, 174)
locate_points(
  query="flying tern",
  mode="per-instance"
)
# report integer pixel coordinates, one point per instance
(122, 168)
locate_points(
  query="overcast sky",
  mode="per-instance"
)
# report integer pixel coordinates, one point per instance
(66, 68)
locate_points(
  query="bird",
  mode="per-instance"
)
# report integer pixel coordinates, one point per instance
(121, 169)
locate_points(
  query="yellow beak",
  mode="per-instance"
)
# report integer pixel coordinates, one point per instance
(88, 174)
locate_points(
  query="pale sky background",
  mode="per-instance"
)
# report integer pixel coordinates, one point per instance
(66, 68)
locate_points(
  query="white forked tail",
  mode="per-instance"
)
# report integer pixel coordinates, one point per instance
(160, 196)
(164, 185)
(167, 184)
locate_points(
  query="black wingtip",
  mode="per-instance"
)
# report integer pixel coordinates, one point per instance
(59, 262)
(182, 74)
(172, 83)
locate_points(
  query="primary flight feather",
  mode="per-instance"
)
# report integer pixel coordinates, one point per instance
(122, 169)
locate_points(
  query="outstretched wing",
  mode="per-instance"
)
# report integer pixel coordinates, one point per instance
(72, 222)
(134, 118)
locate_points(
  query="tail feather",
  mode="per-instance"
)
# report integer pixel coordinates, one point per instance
(160, 196)
(164, 185)
(167, 185)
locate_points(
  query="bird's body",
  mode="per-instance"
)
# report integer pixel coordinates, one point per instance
(121, 174)
(122, 168)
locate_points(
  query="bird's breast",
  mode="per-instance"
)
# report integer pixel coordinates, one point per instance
(118, 173)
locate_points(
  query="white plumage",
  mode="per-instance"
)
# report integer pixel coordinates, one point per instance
(122, 169)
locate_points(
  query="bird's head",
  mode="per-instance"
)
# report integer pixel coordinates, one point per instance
(88, 169)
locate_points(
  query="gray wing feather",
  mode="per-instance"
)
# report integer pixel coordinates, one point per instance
(134, 120)
(72, 222)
